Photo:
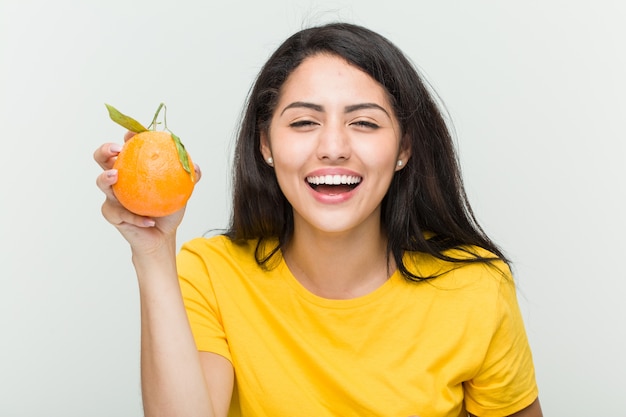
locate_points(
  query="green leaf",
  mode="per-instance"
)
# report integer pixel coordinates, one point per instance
(182, 153)
(125, 121)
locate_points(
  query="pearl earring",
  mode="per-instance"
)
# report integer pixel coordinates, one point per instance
(399, 162)
(270, 160)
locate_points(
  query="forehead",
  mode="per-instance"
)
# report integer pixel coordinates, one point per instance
(329, 77)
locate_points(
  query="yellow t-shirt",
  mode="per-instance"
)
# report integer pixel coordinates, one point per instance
(430, 349)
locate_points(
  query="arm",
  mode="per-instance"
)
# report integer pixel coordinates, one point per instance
(533, 410)
(220, 379)
(176, 379)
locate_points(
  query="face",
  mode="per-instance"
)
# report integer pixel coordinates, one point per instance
(335, 145)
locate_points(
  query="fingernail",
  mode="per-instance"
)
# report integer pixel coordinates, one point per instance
(111, 173)
(115, 148)
(149, 222)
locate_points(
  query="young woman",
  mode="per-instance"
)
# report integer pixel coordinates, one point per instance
(354, 279)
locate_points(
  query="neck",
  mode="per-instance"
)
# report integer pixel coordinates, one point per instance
(340, 266)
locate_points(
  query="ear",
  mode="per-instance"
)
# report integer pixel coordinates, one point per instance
(265, 149)
(405, 153)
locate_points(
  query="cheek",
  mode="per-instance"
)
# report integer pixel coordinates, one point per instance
(291, 154)
(288, 162)
(380, 158)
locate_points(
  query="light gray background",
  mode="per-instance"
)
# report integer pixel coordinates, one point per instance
(535, 88)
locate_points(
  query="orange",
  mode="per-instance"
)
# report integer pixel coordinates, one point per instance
(151, 178)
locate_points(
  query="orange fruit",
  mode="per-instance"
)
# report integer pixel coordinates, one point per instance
(151, 178)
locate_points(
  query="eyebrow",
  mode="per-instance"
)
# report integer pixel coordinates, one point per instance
(348, 109)
(302, 104)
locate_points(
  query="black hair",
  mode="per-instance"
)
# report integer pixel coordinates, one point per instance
(425, 209)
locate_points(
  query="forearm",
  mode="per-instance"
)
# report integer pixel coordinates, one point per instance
(173, 383)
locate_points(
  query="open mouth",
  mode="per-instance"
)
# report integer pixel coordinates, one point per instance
(334, 184)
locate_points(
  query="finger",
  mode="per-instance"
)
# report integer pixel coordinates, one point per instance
(129, 135)
(117, 215)
(112, 209)
(105, 155)
(196, 168)
(105, 181)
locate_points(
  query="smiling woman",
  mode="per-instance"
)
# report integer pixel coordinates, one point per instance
(353, 280)
(333, 121)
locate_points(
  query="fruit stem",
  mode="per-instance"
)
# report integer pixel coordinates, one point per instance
(154, 123)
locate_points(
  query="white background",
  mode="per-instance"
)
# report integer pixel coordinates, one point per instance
(536, 90)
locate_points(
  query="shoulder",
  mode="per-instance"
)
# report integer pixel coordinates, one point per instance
(213, 241)
(479, 282)
(222, 252)
(221, 245)
(214, 251)
(467, 262)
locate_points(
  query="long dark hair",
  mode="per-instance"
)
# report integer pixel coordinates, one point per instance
(425, 210)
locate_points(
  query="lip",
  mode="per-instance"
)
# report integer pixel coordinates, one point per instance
(333, 198)
(333, 171)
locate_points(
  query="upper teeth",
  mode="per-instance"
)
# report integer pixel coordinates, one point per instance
(334, 179)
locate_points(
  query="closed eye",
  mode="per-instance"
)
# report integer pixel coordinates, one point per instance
(365, 124)
(302, 124)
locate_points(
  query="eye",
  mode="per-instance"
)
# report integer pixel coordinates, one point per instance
(302, 124)
(365, 124)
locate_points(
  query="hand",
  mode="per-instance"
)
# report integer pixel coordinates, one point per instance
(143, 233)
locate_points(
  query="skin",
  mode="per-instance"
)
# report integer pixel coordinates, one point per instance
(334, 119)
(331, 118)
(176, 379)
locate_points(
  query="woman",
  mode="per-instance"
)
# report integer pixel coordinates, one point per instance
(354, 279)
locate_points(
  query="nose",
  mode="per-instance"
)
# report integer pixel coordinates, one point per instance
(333, 143)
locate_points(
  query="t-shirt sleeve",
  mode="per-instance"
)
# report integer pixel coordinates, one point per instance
(505, 382)
(201, 302)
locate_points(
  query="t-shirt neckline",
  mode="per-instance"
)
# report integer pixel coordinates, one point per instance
(312, 298)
